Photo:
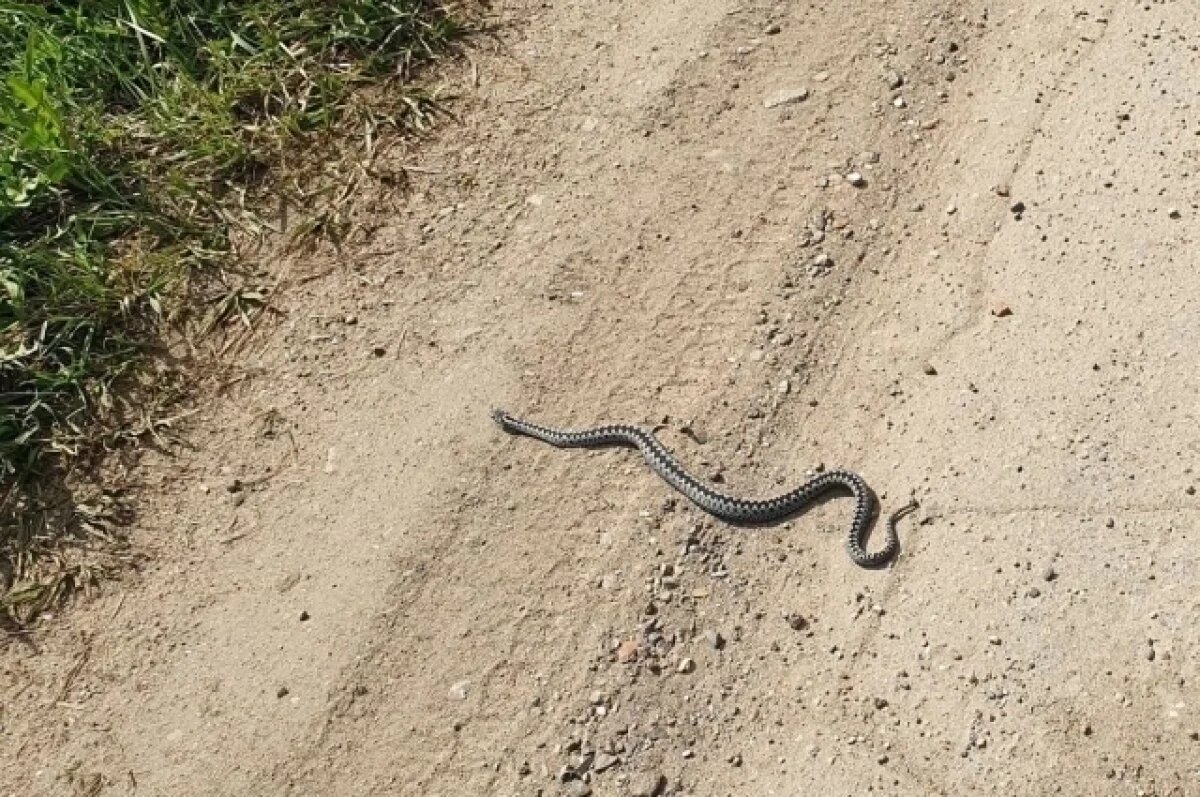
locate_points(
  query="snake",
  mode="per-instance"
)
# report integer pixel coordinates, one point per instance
(727, 507)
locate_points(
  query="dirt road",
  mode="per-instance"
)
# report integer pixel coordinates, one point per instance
(947, 245)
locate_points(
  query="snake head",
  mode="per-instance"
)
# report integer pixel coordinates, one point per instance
(500, 417)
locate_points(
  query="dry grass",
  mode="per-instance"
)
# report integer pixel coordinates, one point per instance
(138, 140)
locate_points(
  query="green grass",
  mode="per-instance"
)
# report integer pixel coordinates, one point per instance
(131, 135)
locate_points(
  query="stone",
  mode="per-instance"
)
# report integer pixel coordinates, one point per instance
(647, 785)
(604, 762)
(785, 97)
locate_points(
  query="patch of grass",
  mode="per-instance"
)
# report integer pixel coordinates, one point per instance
(134, 138)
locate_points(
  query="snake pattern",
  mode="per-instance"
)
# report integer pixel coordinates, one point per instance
(727, 507)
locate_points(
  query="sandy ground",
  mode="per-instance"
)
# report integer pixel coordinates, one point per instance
(359, 585)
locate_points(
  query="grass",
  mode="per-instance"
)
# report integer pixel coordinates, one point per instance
(135, 139)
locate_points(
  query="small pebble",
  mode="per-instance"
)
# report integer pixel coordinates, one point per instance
(1017, 207)
(647, 785)
(772, 29)
(856, 179)
(1049, 573)
(686, 665)
(578, 788)
(460, 690)
(894, 80)
(929, 369)
(604, 761)
(785, 97)
(1001, 311)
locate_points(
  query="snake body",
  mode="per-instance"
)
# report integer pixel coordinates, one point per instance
(727, 507)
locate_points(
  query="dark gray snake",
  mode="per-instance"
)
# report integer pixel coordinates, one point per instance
(726, 507)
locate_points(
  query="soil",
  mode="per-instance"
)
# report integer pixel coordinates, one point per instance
(946, 245)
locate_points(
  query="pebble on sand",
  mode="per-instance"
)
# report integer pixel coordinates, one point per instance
(627, 651)
(785, 97)
(647, 785)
